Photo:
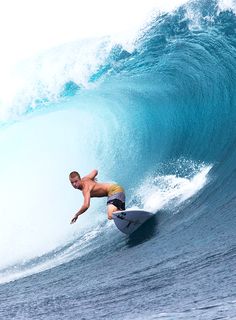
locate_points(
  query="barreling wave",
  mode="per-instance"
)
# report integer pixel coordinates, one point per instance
(159, 115)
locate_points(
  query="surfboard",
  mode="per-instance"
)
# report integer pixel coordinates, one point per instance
(128, 221)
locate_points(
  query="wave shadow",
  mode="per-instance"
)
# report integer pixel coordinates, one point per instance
(147, 231)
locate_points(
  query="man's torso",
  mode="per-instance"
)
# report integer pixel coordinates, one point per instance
(96, 189)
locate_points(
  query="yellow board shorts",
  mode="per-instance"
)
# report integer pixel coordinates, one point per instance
(116, 196)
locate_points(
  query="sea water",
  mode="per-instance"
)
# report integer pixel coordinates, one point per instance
(157, 116)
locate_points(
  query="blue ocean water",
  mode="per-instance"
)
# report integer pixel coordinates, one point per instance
(159, 118)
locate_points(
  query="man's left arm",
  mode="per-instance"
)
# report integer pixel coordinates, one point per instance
(92, 174)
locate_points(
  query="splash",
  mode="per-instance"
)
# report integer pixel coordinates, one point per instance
(167, 192)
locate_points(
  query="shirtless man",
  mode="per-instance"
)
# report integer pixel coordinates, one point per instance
(91, 188)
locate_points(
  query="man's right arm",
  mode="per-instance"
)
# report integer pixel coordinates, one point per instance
(85, 206)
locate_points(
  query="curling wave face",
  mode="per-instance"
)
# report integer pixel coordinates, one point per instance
(159, 116)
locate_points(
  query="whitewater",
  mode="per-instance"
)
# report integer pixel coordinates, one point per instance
(152, 108)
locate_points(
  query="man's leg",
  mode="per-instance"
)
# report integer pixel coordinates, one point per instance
(110, 209)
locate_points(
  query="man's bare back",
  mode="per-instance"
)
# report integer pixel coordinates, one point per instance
(90, 188)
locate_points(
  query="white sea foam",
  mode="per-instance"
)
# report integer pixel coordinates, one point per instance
(227, 5)
(79, 247)
(37, 201)
(169, 191)
(43, 77)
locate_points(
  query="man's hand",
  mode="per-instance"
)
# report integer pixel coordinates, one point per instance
(74, 219)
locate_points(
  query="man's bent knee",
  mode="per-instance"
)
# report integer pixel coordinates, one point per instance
(110, 209)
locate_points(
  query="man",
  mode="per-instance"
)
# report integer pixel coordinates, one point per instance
(91, 188)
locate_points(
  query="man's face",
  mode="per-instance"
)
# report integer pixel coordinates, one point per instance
(75, 182)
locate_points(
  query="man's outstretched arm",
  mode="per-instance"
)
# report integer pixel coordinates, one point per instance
(85, 206)
(92, 174)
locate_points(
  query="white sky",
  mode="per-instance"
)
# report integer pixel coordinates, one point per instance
(28, 26)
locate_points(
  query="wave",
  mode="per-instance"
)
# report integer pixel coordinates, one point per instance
(157, 114)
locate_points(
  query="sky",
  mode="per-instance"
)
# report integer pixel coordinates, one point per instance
(28, 26)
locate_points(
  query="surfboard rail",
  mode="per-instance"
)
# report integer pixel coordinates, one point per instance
(130, 220)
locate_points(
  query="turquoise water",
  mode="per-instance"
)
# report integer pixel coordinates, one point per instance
(160, 120)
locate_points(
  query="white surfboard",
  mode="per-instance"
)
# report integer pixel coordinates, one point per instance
(128, 221)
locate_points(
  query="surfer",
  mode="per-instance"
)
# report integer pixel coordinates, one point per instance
(91, 188)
